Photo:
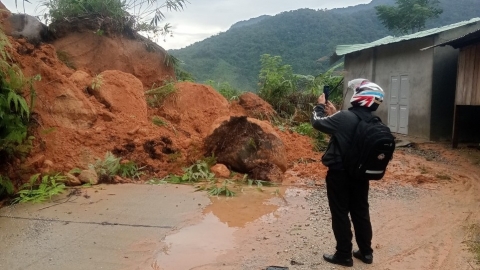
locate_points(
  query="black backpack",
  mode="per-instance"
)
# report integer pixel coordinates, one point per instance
(371, 150)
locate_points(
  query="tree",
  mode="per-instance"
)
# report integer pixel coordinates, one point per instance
(409, 16)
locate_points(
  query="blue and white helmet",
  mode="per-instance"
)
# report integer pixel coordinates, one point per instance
(366, 94)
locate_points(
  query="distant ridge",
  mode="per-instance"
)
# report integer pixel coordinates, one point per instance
(249, 22)
(304, 39)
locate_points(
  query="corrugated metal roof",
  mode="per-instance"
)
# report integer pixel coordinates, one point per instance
(465, 40)
(346, 49)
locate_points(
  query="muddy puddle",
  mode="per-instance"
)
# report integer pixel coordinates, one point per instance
(200, 244)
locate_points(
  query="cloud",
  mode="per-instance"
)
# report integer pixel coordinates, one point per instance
(201, 19)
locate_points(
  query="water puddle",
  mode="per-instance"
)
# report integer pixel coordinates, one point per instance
(202, 243)
(246, 207)
(197, 245)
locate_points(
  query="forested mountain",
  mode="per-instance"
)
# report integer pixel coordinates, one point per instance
(304, 38)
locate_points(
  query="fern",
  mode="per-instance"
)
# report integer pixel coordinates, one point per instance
(36, 193)
(14, 110)
(108, 167)
(199, 171)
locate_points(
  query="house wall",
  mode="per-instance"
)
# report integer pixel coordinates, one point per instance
(443, 92)
(404, 58)
(358, 65)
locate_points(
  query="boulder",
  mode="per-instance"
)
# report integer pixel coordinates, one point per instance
(27, 27)
(88, 177)
(248, 145)
(72, 180)
(220, 171)
(121, 92)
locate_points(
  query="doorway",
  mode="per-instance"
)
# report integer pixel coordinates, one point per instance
(398, 106)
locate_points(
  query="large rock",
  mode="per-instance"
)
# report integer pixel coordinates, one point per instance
(220, 171)
(88, 177)
(248, 145)
(121, 93)
(28, 27)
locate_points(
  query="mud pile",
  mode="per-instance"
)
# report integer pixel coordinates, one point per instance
(91, 100)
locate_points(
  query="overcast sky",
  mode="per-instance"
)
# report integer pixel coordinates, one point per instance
(203, 18)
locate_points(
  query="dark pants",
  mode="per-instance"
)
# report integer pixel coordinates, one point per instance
(346, 195)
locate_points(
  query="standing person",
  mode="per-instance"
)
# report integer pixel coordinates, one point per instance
(345, 193)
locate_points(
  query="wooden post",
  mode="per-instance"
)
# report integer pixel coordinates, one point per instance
(456, 113)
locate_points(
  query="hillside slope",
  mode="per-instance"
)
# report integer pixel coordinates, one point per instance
(303, 38)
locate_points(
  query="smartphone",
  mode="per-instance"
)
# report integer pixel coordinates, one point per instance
(326, 91)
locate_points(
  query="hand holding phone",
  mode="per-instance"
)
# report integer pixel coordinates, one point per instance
(326, 91)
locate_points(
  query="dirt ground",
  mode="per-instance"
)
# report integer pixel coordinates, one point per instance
(421, 215)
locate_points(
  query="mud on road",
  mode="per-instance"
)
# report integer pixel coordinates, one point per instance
(420, 215)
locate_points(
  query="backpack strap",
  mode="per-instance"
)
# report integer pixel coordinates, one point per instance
(363, 117)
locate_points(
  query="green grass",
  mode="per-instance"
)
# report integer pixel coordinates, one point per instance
(156, 96)
(225, 89)
(159, 121)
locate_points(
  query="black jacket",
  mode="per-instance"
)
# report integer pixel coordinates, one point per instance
(341, 126)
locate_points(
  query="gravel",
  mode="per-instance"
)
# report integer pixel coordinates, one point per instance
(315, 237)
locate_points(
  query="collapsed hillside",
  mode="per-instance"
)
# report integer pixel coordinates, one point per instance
(92, 99)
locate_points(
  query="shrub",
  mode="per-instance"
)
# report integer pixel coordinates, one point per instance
(106, 168)
(35, 192)
(223, 189)
(195, 173)
(319, 141)
(293, 95)
(118, 15)
(225, 89)
(130, 170)
(156, 96)
(14, 110)
(6, 186)
(111, 166)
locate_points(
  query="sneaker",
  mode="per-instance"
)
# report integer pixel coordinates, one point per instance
(336, 260)
(368, 259)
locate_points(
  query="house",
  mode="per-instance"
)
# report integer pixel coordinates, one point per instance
(419, 84)
(467, 95)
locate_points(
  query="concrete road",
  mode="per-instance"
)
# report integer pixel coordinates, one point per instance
(104, 227)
